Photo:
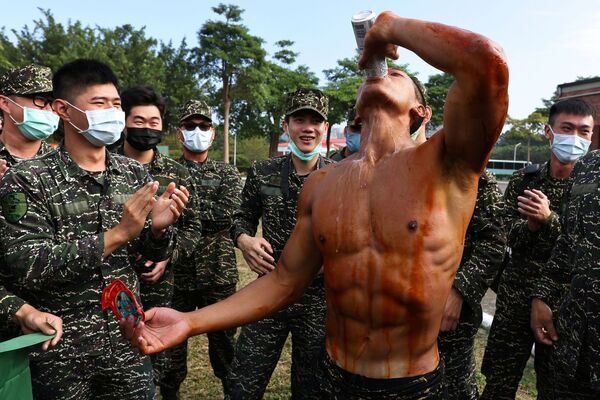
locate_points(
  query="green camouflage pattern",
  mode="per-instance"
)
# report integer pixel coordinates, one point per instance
(338, 155)
(12, 160)
(209, 273)
(484, 248)
(30, 79)
(307, 99)
(271, 195)
(53, 257)
(195, 107)
(212, 263)
(575, 260)
(510, 339)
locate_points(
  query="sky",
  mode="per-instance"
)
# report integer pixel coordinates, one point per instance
(547, 42)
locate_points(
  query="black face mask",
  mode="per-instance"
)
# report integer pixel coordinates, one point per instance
(143, 139)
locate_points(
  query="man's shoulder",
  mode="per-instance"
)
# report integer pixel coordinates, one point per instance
(270, 165)
(221, 167)
(174, 166)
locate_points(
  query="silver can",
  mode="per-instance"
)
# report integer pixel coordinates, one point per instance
(361, 23)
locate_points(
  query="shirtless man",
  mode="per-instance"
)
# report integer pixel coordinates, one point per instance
(390, 266)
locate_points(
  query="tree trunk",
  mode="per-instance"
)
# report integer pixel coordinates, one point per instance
(226, 109)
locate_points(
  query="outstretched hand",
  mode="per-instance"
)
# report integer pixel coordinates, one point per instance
(163, 328)
(377, 43)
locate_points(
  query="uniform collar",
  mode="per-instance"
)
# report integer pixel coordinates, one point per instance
(73, 172)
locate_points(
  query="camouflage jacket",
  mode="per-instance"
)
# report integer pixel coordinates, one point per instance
(485, 245)
(271, 193)
(531, 250)
(576, 260)
(9, 305)
(54, 215)
(165, 170)
(338, 155)
(12, 160)
(217, 188)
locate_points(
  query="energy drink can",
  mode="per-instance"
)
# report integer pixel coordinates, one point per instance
(361, 23)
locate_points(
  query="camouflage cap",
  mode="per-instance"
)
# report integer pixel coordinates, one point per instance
(195, 107)
(30, 79)
(307, 99)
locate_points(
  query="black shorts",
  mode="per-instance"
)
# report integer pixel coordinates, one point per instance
(338, 383)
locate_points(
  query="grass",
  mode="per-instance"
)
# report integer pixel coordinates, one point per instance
(202, 384)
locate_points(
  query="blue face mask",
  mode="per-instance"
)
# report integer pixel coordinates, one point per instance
(37, 124)
(352, 141)
(568, 148)
(301, 155)
(104, 126)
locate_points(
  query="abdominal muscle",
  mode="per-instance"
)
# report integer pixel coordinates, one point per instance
(384, 310)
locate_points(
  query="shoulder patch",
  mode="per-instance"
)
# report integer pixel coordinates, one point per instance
(14, 206)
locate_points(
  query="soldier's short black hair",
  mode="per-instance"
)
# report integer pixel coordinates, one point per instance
(77, 75)
(571, 106)
(420, 91)
(141, 95)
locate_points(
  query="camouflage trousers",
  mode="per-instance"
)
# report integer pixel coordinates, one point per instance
(339, 384)
(158, 294)
(220, 344)
(260, 344)
(122, 375)
(457, 350)
(510, 340)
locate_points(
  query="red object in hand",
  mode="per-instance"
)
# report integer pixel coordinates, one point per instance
(121, 300)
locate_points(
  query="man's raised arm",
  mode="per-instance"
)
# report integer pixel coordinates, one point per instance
(477, 101)
(297, 267)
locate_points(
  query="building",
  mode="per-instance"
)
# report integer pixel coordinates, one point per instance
(588, 90)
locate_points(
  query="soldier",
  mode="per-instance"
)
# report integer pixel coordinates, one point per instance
(352, 134)
(210, 273)
(574, 262)
(533, 204)
(70, 219)
(143, 132)
(485, 244)
(271, 194)
(25, 101)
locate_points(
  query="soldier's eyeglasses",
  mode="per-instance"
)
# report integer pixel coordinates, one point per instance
(190, 126)
(41, 101)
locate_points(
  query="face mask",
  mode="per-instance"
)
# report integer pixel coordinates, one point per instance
(568, 148)
(37, 124)
(197, 140)
(352, 141)
(301, 155)
(143, 139)
(104, 126)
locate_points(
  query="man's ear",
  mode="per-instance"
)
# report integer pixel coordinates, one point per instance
(428, 114)
(4, 105)
(179, 134)
(60, 107)
(212, 138)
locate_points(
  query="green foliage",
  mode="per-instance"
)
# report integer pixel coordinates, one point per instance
(437, 89)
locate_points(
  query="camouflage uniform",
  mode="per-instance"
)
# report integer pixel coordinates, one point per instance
(271, 192)
(510, 339)
(54, 215)
(31, 79)
(576, 260)
(338, 155)
(160, 294)
(208, 274)
(485, 245)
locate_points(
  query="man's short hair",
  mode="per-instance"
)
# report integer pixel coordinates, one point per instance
(571, 106)
(141, 95)
(74, 77)
(420, 91)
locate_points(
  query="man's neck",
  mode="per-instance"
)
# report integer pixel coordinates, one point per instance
(304, 167)
(559, 170)
(141, 156)
(197, 157)
(85, 154)
(17, 144)
(384, 135)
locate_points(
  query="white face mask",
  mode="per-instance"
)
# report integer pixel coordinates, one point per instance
(197, 140)
(104, 126)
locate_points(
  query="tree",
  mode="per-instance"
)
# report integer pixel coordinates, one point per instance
(526, 131)
(228, 53)
(437, 89)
